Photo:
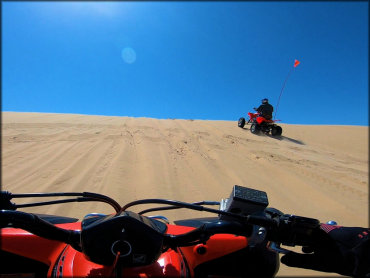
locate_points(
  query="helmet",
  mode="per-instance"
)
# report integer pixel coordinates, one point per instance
(265, 100)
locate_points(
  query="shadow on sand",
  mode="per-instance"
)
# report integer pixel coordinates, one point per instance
(293, 140)
(288, 139)
(280, 137)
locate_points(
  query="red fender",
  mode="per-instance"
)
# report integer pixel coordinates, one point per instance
(260, 120)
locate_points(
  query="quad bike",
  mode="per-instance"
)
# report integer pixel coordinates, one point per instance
(261, 124)
(243, 239)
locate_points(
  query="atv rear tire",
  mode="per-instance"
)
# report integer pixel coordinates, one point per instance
(241, 122)
(255, 128)
(276, 131)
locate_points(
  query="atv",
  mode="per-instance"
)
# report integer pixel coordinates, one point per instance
(261, 124)
(242, 239)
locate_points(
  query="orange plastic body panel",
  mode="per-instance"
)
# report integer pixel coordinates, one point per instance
(25, 244)
(216, 247)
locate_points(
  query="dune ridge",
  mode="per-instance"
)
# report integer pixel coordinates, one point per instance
(314, 171)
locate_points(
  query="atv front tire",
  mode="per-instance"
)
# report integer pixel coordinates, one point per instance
(241, 122)
(276, 131)
(255, 128)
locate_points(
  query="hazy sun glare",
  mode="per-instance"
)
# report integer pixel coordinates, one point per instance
(86, 8)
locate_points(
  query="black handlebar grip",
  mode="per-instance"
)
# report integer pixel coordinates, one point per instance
(294, 230)
(35, 225)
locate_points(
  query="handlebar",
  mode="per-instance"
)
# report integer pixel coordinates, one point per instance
(286, 229)
(39, 227)
(102, 236)
(203, 233)
(6, 196)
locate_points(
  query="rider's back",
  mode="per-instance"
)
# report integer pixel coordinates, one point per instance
(266, 110)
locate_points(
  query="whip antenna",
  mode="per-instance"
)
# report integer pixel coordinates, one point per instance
(296, 63)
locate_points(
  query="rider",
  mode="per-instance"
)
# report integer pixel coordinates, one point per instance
(343, 250)
(265, 109)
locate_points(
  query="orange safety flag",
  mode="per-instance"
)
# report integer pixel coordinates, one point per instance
(296, 63)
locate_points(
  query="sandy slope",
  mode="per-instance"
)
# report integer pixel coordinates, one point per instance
(315, 171)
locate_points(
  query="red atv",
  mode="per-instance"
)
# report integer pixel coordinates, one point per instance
(243, 240)
(261, 124)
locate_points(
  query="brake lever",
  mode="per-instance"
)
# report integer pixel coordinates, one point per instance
(309, 223)
(273, 246)
(292, 230)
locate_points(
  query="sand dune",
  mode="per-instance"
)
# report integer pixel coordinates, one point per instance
(315, 171)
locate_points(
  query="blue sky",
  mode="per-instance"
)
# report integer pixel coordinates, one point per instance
(187, 60)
